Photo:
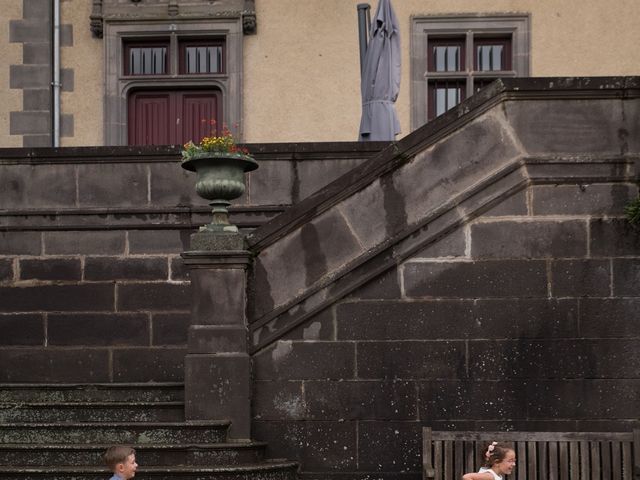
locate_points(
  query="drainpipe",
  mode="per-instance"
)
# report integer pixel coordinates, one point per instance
(56, 73)
(364, 22)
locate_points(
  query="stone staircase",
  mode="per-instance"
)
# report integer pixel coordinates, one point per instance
(58, 432)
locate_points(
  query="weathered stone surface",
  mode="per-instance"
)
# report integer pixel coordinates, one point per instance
(120, 185)
(389, 446)
(578, 278)
(84, 242)
(20, 243)
(594, 199)
(609, 317)
(210, 339)
(361, 400)
(579, 126)
(83, 298)
(626, 277)
(313, 175)
(273, 183)
(148, 364)
(36, 99)
(531, 239)
(21, 329)
(172, 185)
(411, 359)
(613, 237)
(125, 268)
(29, 76)
(516, 204)
(385, 286)
(469, 399)
(302, 360)
(158, 241)
(320, 446)
(506, 278)
(554, 358)
(218, 296)
(6, 270)
(451, 245)
(54, 365)
(50, 269)
(278, 400)
(170, 328)
(318, 327)
(214, 242)
(156, 297)
(40, 186)
(111, 329)
(178, 270)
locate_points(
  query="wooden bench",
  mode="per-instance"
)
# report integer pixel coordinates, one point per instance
(539, 455)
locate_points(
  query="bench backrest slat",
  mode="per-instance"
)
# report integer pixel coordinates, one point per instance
(540, 455)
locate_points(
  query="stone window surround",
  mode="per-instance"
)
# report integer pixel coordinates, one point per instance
(518, 25)
(118, 86)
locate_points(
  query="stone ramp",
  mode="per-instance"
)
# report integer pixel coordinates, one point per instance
(60, 431)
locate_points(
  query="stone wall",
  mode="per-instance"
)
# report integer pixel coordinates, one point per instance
(92, 286)
(484, 278)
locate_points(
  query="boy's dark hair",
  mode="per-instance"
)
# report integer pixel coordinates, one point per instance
(495, 452)
(117, 454)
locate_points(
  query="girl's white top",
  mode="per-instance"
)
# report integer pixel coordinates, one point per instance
(485, 469)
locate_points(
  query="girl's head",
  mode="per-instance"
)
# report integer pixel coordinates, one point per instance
(499, 457)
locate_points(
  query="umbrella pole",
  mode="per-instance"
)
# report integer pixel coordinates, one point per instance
(364, 22)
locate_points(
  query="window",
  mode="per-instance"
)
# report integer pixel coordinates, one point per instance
(455, 56)
(162, 79)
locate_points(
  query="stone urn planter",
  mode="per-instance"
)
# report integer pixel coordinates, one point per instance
(220, 179)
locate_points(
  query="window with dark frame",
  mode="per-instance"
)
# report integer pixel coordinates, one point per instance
(201, 57)
(454, 56)
(146, 58)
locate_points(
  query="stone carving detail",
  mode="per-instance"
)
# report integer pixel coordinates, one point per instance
(96, 19)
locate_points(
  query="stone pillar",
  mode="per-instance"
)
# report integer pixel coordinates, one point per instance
(217, 365)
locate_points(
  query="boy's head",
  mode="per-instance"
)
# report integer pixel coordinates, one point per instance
(121, 460)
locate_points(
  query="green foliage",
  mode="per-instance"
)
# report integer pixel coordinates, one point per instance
(632, 211)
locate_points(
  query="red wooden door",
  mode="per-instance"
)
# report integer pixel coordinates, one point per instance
(171, 117)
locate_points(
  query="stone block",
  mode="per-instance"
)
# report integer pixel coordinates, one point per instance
(218, 296)
(6, 270)
(273, 183)
(531, 239)
(38, 186)
(278, 400)
(36, 54)
(21, 330)
(66, 35)
(580, 278)
(37, 9)
(554, 358)
(113, 185)
(178, 270)
(361, 400)
(170, 328)
(206, 339)
(626, 277)
(36, 99)
(225, 394)
(105, 242)
(66, 125)
(514, 205)
(571, 126)
(305, 361)
(584, 399)
(158, 241)
(384, 286)
(319, 446)
(67, 269)
(216, 241)
(311, 176)
(71, 298)
(454, 165)
(613, 237)
(27, 31)
(30, 141)
(126, 268)
(39, 365)
(471, 400)
(452, 245)
(20, 243)
(153, 297)
(582, 199)
(29, 76)
(149, 364)
(389, 446)
(411, 360)
(112, 329)
(609, 317)
(67, 79)
(173, 185)
(498, 278)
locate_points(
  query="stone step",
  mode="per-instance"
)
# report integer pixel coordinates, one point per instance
(115, 432)
(153, 454)
(92, 412)
(102, 392)
(271, 470)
